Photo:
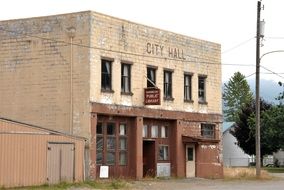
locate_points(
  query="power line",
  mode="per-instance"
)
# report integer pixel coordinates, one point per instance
(272, 72)
(115, 51)
(241, 65)
(250, 75)
(127, 53)
(238, 45)
(274, 37)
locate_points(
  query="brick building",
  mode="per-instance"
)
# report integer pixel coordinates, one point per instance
(148, 100)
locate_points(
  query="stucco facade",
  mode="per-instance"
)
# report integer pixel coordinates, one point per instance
(64, 72)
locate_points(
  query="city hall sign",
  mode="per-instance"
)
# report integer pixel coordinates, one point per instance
(160, 50)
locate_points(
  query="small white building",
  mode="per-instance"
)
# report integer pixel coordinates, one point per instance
(233, 155)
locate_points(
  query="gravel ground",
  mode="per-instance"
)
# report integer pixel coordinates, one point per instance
(204, 184)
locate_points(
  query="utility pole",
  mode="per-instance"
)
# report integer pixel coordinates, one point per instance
(257, 101)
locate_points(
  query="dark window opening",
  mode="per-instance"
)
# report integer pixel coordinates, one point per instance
(208, 131)
(167, 84)
(151, 77)
(187, 87)
(163, 152)
(125, 78)
(201, 89)
(106, 75)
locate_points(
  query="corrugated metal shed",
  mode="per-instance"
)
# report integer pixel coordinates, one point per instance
(31, 155)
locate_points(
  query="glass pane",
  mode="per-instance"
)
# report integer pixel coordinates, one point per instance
(99, 157)
(110, 129)
(100, 143)
(164, 132)
(110, 143)
(99, 129)
(154, 131)
(190, 154)
(122, 129)
(163, 153)
(151, 77)
(122, 158)
(110, 158)
(122, 144)
(145, 131)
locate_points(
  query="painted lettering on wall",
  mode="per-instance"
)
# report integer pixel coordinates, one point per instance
(159, 50)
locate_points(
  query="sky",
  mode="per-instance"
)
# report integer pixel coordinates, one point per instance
(231, 23)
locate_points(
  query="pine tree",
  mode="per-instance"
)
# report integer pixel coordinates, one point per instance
(236, 94)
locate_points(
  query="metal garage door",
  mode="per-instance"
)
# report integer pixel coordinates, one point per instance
(60, 162)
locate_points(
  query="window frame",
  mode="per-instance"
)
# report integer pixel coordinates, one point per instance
(112, 150)
(101, 150)
(156, 129)
(168, 87)
(164, 157)
(149, 78)
(126, 79)
(202, 89)
(188, 88)
(122, 151)
(207, 133)
(166, 130)
(105, 75)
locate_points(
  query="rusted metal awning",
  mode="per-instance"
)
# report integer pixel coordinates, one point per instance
(198, 140)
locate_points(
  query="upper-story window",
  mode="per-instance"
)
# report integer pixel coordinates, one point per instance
(187, 87)
(106, 75)
(202, 89)
(208, 130)
(125, 78)
(151, 77)
(168, 84)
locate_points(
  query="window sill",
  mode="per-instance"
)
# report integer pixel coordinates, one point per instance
(126, 93)
(188, 101)
(169, 99)
(203, 102)
(107, 91)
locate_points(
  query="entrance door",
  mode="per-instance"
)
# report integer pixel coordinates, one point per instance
(149, 158)
(60, 162)
(190, 161)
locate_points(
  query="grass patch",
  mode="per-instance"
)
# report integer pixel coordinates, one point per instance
(274, 170)
(244, 174)
(98, 184)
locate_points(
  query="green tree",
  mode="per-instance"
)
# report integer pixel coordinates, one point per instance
(271, 128)
(281, 94)
(236, 94)
(243, 130)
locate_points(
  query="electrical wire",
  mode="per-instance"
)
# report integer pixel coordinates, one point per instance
(116, 51)
(136, 54)
(272, 72)
(238, 45)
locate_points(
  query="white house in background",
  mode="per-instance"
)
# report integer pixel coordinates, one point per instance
(233, 155)
(279, 156)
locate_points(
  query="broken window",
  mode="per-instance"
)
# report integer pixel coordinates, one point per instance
(151, 77)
